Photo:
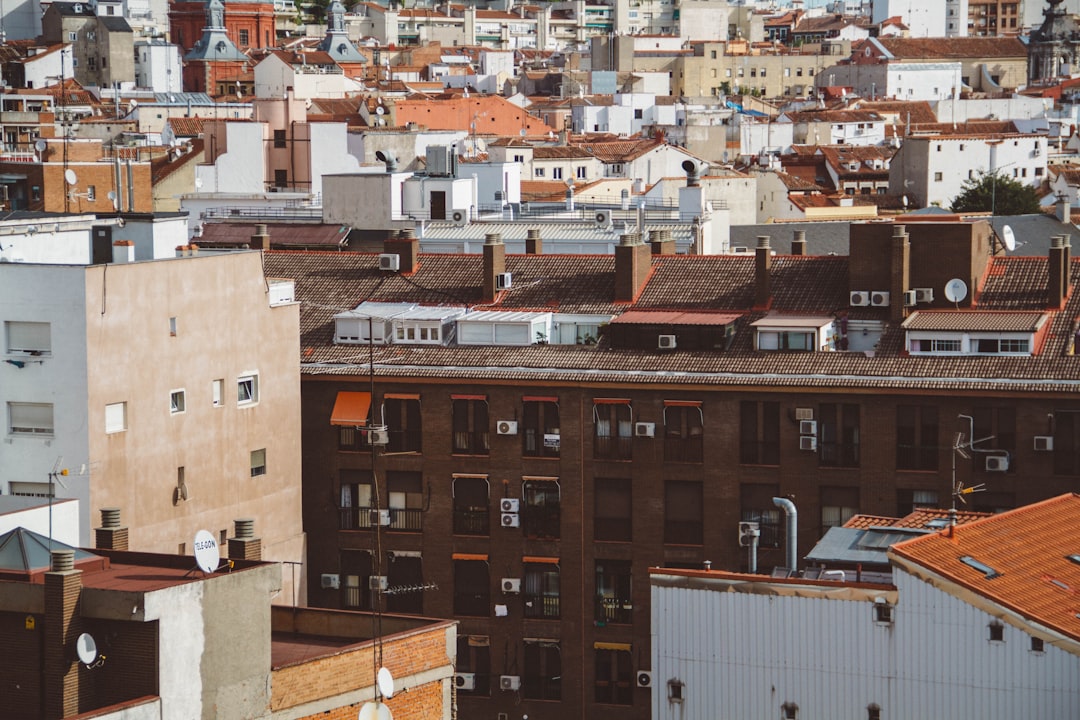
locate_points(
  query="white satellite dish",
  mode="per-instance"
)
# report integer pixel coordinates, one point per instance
(1009, 238)
(70, 177)
(41, 145)
(955, 290)
(375, 711)
(207, 556)
(86, 649)
(379, 110)
(385, 681)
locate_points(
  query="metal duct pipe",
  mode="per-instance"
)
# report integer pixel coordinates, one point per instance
(791, 550)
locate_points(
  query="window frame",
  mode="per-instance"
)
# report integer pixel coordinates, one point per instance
(403, 418)
(920, 437)
(258, 468)
(616, 685)
(611, 494)
(23, 333)
(30, 429)
(110, 417)
(839, 434)
(614, 587)
(177, 401)
(467, 602)
(617, 443)
(540, 589)
(540, 419)
(247, 379)
(473, 519)
(470, 425)
(540, 519)
(681, 443)
(759, 432)
(542, 676)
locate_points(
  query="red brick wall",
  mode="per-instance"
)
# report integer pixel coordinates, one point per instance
(420, 703)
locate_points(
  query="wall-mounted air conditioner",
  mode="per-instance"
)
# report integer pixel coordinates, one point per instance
(997, 463)
(511, 586)
(859, 298)
(645, 429)
(465, 681)
(460, 218)
(510, 520)
(804, 413)
(330, 581)
(1044, 443)
(378, 437)
(509, 682)
(879, 298)
(506, 427)
(808, 427)
(910, 298)
(602, 218)
(644, 678)
(377, 582)
(808, 442)
(509, 505)
(924, 295)
(390, 261)
(380, 518)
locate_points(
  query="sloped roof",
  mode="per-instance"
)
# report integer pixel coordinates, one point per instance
(918, 518)
(954, 48)
(281, 234)
(23, 550)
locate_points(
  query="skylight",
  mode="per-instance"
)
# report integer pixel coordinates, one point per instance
(1073, 558)
(988, 571)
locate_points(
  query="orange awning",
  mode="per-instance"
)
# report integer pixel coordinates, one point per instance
(351, 408)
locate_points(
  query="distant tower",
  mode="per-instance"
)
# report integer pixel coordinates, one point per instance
(214, 56)
(337, 43)
(1054, 48)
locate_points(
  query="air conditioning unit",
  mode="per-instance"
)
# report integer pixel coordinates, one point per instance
(465, 681)
(330, 582)
(377, 582)
(859, 298)
(924, 295)
(510, 520)
(997, 463)
(511, 586)
(390, 261)
(808, 442)
(804, 413)
(379, 518)
(602, 218)
(502, 281)
(879, 298)
(808, 427)
(747, 532)
(509, 505)
(378, 437)
(644, 429)
(665, 342)
(506, 427)
(509, 682)
(460, 218)
(644, 678)
(1044, 443)
(910, 298)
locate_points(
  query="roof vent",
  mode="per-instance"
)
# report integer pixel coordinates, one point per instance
(110, 517)
(63, 560)
(244, 528)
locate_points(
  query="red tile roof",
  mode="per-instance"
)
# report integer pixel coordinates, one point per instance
(954, 48)
(281, 234)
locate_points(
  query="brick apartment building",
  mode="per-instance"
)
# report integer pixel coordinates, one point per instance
(595, 416)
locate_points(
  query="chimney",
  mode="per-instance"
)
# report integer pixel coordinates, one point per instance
(111, 536)
(183, 250)
(900, 272)
(494, 264)
(63, 587)
(1062, 210)
(633, 260)
(798, 243)
(1055, 286)
(1066, 264)
(762, 273)
(245, 546)
(261, 239)
(406, 247)
(662, 242)
(693, 173)
(123, 251)
(534, 245)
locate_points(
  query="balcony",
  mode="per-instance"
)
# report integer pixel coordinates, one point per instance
(472, 521)
(613, 448)
(686, 450)
(612, 610)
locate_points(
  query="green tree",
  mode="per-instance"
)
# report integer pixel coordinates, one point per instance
(997, 193)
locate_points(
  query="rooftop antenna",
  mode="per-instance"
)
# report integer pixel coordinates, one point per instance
(54, 477)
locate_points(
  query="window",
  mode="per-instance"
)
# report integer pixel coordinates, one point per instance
(247, 390)
(540, 427)
(474, 657)
(639, 114)
(29, 489)
(683, 431)
(72, 37)
(356, 568)
(581, 172)
(172, 326)
(472, 587)
(908, 501)
(790, 711)
(613, 428)
(683, 513)
(997, 632)
(1002, 345)
(29, 338)
(405, 570)
(538, 172)
(91, 62)
(788, 339)
(759, 433)
(279, 139)
(612, 513)
(838, 504)
(540, 590)
(30, 418)
(217, 392)
(1037, 645)
(35, 193)
(471, 514)
(355, 499)
(91, 193)
(351, 438)
(937, 177)
(402, 416)
(712, 54)
(470, 424)
(883, 612)
(614, 676)
(543, 670)
(519, 158)
(756, 505)
(916, 437)
(177, 402)
(556, 173)
(258, 462)
(614, 603)
(406, 501)
(116, 417)
(244, 38)
(838, 435)
(541, 514)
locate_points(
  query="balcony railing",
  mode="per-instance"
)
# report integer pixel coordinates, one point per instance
(472, 521)
(607, 447)
(687, 450)
(471, 443)
(401, 519)
(615, 610)
(404, 441)
(541, 606)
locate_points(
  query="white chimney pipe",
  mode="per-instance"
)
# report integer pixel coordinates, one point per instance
(791, 548)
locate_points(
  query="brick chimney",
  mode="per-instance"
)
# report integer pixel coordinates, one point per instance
(662, 242)
(406, 247)
(261, 239)
(63, 587)
(110, 536)
(899, 272)
(534, 245)
(245, 546)
(798, 243)
(762, 273)
(1055, 286)
(494, 264)
(633, 259)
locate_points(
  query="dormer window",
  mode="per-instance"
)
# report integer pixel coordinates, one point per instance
(973, 333)
(793, 333)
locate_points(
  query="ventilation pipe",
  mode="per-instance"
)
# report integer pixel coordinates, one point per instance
(387, 157)
(791, 550)
(693, 176)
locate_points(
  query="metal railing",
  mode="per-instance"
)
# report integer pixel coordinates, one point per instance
(265, 213)
(615, 610)
(472, 521)
(613, 448)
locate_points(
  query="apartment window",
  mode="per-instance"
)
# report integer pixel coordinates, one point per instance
(405, 570)
(612, 513)
(614, 603)
(556, 173)
(30, 418)
(838, 504)
(474, 658)
(581, 170)
(519, 158)
(244, 38)
(355, 499)
(916, 437)
(540, 427)
(683, 431)
(937, 177)
(28, 338)
(883, 612)
(91, 62)
(1066, 443)
(712, 54)
(996, 428)
(406, 501)
(91, 193)
(756, 505)
(401, 412)
(356, 567)
(753, 72)
(798, 72)
(470, 424)
(177, 402)
(258, 462)
(613, 423)
(683, 513)
(759, 433)
(543, 670)
(279, 139)
(614, 675)
(472, 586)
(908, 501)
(540, 590)
(72, 37)
(35, 193)
(838, 434)
(538, 172)
(471, 505)
(247, 390)
(217, 392)
(116, 417)
(541, 511)
(727, 73)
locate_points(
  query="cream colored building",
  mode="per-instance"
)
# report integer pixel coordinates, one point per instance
(715, 66)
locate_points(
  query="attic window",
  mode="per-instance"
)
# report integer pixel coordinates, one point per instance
(1074, 558)
(997, 632)
(988, 571)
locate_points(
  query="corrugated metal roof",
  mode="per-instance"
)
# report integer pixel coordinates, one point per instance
(503, 316)
(791, 321)
(859, 545)
(431, 313)
(376, 310)
(974, 321)
(550, 231)
(672, 317)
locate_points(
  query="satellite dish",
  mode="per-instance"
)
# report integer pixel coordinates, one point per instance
(206, 551)
(111, 195)
(521, 132)
(1009, 238)
(379, 110)
(375, 711)
(385, 681)
(70, 177)
(955, 290)
(41, 145)
(133, 104)
(86, 649)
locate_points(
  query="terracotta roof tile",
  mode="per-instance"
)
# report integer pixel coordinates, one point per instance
(954, 48)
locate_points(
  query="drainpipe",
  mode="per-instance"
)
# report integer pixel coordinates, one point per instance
(790, 552)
